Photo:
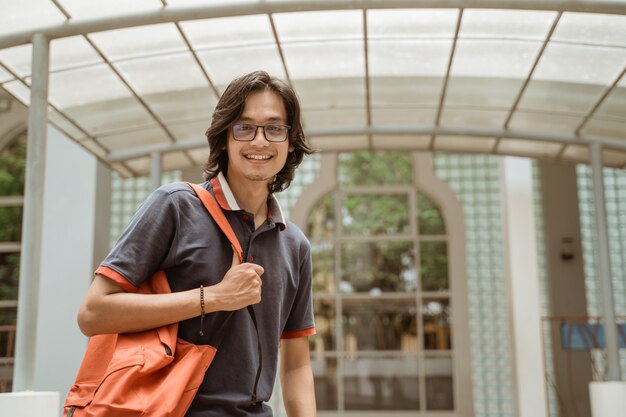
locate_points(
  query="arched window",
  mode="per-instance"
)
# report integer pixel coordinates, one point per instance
(382, 288)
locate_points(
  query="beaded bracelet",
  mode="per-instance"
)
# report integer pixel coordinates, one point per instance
(201, 310)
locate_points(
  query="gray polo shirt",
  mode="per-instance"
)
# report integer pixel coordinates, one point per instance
(173, 231)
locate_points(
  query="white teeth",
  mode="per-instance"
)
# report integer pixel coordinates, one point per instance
(258, 157)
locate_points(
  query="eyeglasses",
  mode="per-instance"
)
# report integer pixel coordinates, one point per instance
(246, 132)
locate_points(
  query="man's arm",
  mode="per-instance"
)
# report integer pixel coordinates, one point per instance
(296, 377)
(107, 308)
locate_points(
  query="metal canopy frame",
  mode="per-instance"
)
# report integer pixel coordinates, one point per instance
(175, 15)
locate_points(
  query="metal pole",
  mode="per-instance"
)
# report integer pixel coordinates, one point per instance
(28, 299)
(604, 265)
(155, 170)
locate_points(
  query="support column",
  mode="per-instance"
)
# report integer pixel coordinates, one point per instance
(521, 257)
(604, 265)
(28, 298)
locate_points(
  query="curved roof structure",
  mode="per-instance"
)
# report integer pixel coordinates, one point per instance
(130, 78)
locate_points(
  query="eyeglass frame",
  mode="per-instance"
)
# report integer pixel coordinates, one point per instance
(288, 127)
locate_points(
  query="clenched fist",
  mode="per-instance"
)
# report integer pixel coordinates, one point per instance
(240, 287)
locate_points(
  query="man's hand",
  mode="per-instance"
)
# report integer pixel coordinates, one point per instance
(240, 287)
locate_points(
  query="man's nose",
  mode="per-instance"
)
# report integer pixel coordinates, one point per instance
(260, 136)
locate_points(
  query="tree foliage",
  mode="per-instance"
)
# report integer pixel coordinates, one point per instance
(12, 178)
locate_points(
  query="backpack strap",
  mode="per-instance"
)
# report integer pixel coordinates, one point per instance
(218, 215)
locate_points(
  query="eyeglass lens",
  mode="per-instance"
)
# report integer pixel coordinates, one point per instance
(273, 133)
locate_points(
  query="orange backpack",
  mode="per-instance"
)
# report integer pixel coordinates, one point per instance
(150, 373)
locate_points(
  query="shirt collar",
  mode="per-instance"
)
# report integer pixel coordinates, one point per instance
(227, 200)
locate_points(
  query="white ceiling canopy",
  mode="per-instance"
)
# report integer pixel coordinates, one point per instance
(128, 78)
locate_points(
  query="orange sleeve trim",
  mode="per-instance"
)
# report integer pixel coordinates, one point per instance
(116, 277)
(298, 333)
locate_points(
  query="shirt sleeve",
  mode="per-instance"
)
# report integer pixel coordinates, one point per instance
(300, 321)
(146, 244)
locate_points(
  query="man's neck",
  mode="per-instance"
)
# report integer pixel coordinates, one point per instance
(252, 197)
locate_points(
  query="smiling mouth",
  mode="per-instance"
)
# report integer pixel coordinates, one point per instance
(258, 157)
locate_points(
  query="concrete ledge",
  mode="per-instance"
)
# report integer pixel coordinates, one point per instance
(608, 399)
(30, 404)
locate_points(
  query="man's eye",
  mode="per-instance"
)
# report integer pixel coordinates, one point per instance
(274, 129)
(245, 128)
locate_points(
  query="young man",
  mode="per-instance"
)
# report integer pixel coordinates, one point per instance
(256, 142)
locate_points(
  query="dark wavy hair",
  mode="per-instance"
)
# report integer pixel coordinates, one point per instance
(230, 107)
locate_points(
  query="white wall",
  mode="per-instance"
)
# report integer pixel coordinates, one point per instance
(70, 222)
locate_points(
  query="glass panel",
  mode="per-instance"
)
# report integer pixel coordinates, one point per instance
(65, 125)
(506, 24)
(90, 9)
(72, 52)
(146, 136)
(428, 216)
(331, 93)
(325, 376)
(439, 386)
(229, 32)
(545, 121)
(18, 90)
(545, 97)
(18, 59)
(126, 115)
(486, 58)
(601, 29)
(407, 95)
(139, 41)
(436, 319)
(321, 220)
(335, 117)
(403, 23)
(325, 322)
(381, 384)
(379, 324)
(323, 266)
(375, 168)
(184, 107)
(488, 93)
(18, 16)
(375, 214)
(580, 64)
(4, 76)
(332, 59)
(192, 129)
(377, 267)
(402, 58)
(434, 266)
(86, 85)
(323, 25)
(154, 75)
(483, 118)
(225, 64)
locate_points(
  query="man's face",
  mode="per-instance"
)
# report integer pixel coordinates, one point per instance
(258, 160)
